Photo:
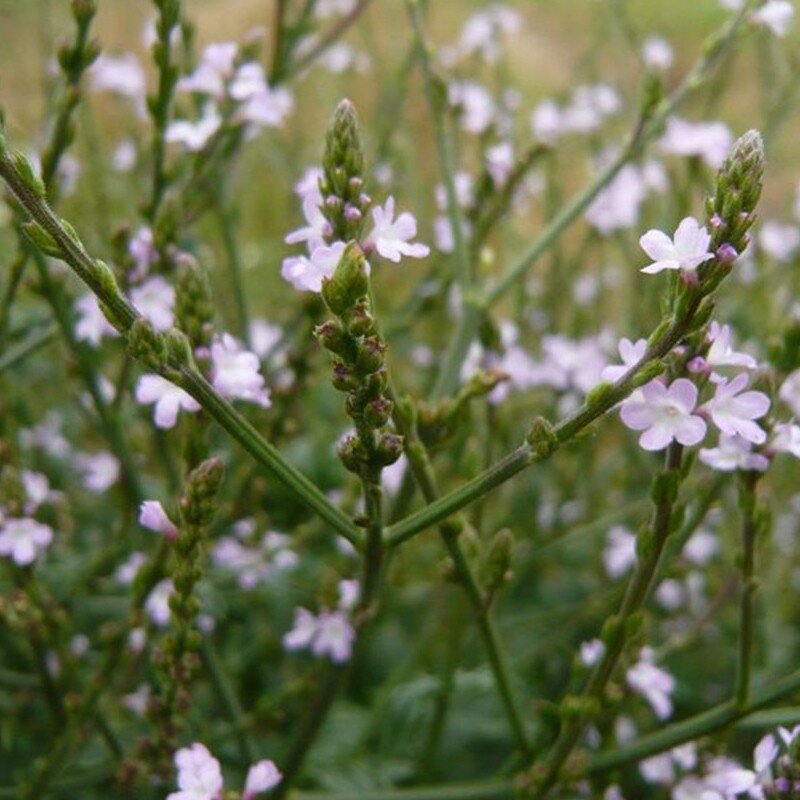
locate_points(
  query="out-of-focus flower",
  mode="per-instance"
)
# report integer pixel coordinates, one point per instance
(787, 439)
(156, 605)
(591, 652)
(710, 141)
(790, 392)
(619, 555)
(119, 74)
(631, 354)
(664, 414)
(687, 249)
(155, 299)
(92, 324)
(194, 135)
(100, 470)
(199, 774)
(777, 240)
(653, 683)
(733, 453)
(23, 539)
(475, 104)
(235, 372)
(261, 777)
(657, 53)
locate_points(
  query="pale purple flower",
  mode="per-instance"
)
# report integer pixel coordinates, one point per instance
(686, 250)
(734, 410)
(591, 652)
(23, 539)
(155, 300)
(658, 769)
(777, 15)
(701, 547)
(788, 735)
(464, 190)
(235, 372)
(37, 490)
(249, 81)
(199, 774)
(654, 684)
(547, 121)
(786, 439)
(631, 354)
(267, 108)
(392, 237)
(728, 778)
(261, 777)
(308, 185)
(126, 572)
(443, 233)
(500, 163)
(710, 141)
(92, 324)
(778, 240)
(482, 32)
(100, 471)
(765, 752)
(617, 206)
(664, 414)
(138, 701)
(123, 159)
(303, 632)
(335, 636)
(619, 555)
(119, 74)
(475, 104)
(657, 53)
(194, 135)
(153, 517)
(307, 273)
(264, 337)
(214, 70)
(166, 398)
(156, 605)
(142, 250)
(733, 453)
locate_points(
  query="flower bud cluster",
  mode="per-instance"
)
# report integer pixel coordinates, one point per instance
(344, 203)
(359, 371)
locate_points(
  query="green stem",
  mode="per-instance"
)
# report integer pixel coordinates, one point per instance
(744, 667)
(616, 633)
(37, 340)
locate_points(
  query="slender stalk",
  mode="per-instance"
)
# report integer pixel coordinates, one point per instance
(445, 147)
(645, 131)
(746, 654)
(616, 634)
(37, 340)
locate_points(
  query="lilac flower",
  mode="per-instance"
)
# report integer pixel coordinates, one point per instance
(631, 354)
(235, 372)
(790, 391)
(308, 185)
(92, 324)
(701, 547)
(777, 240)
(500, 163)
(153, 517)
(776, 15)
(686, 250)
(733, 410)
(120, 74)
(23, 539)
(215, 68)
(155, 299)
(482, 32)
(619, 555)
(765, 752)
(264, 337)
(307, 274)
(267, 108)
(167, 399)
(464, 190)
(547, 121)
(199, 774)
(617, 206)
(261, 777)
(728, 778)
(142, 249)
(125, 573)
(733, 453)
(475, 104)
(664, 414)
(652, 683)
(303, 632)
(392, 237)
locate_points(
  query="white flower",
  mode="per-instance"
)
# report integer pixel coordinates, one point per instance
(100, 470)
(194, 135)
(733, 453)
(157, 604)
(215, 68)
(777, 240)
(787, 439)
(475, 103)
(765, 752)
(235, 372)
(308, 185)
(23, 539)
(686, 250)
(710, 141)
(657, 53)
(620, 551)
(92, 324)
(591, 652)
(617, 206)
(776, 15)
(153, 517)
(261, 777)
(500, 163)
(142, 250)
(547, 121)
(199, 774)
(155, 299)
(167, 398)
(721, 352)
(317, 229)
(307, 274)
(652, 683)
(120, 74)
(392, 237)
(701, 547)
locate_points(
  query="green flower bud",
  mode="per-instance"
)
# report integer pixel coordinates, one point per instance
(147, 345)
(542, 438)
(370, 355)
(199, 500)
(349, 282)
(194, 305)
(388, 448)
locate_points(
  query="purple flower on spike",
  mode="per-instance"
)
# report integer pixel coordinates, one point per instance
(664, 414)
(686, 250)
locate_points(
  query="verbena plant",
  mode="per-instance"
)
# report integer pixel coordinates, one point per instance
(389, 539)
